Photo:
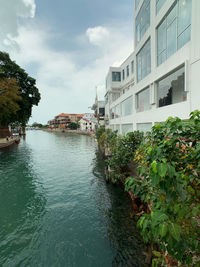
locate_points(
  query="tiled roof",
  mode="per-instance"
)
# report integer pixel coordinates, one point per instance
(68, 115)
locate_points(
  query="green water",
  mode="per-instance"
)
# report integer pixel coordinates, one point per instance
(57, 210)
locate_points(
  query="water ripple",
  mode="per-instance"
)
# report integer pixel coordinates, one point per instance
(57, 210)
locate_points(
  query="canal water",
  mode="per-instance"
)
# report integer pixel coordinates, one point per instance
(56, 209)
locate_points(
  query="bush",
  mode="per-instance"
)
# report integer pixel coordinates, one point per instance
(73, 126)
(122, 150)
(99, 132)
(169, 180)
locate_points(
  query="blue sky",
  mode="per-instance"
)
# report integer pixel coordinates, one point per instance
(67, 46)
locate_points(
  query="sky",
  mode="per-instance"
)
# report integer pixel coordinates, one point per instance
(68, 47)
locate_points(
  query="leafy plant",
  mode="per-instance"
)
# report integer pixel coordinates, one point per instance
(73, 126)
(99, 132)
(169, 180)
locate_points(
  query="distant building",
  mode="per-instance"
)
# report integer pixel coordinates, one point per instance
(63, 120)
(161, 77)
(87, 124)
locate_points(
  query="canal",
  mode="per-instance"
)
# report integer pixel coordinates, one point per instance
(56, 209)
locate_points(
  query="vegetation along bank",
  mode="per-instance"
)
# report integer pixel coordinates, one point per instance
(161, 172)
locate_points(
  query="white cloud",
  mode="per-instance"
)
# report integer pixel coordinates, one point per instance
(98, 35)
(10, 12)
(65, 84)
(30, 4)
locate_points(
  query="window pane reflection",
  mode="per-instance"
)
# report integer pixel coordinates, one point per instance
(174, 31)
(143, 100)
(171, 89)
(127, 106)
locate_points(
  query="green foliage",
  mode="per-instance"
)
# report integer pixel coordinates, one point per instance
(123, 149)
(169, 181)
(35, 124)
(9, 99)
(73, 126)
(27, 87)
(99, 132)
(119, 149)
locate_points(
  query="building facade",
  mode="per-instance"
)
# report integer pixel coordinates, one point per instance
(63, 120)
(161, 77)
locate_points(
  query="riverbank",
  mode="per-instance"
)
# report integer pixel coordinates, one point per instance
(165, 187)
(4, 142)
(57, 130)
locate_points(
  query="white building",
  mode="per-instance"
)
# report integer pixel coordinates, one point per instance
(88, 116)
(88, 125)
(161, 78)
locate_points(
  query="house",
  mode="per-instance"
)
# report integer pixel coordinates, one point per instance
(161, 77)
(63, 120)
(88, 124)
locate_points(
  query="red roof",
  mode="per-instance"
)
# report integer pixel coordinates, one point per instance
(71, 114)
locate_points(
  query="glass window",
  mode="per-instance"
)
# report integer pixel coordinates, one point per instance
(132, 66)
(127, 106)
(171, 39)
(115, 96)
(143, 100)
(123, 74)
(112, 113)
(184, 21)
(117, 111)
(174, 31)
(137, 3)
(116, 76)
(142, 20)
(127, 128)
(159, 4)
(101, 111)
(144, 127)
(162, 42)
(127, 70)
(171, 89)
(144, 61)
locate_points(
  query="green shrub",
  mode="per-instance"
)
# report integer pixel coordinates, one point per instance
(169, 181)
(122, 150)
(99, 132)
(73, 126)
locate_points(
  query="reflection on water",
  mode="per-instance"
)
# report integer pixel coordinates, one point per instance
(22, 204)
(57, 210)
(115, 207)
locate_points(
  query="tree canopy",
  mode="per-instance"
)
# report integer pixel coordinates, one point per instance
(73, 126)
(9, 98)
(29, 93)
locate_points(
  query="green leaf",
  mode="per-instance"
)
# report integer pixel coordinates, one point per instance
(158, 217)
(163, 229)
(155, 179)
(175, 231)
(140, 222)
(162, 169)
(157, 253)
(154, 166)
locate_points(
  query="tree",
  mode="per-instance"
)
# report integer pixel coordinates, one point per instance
(29, 93)
(73, 126)
(9, 99)
(35, 124)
